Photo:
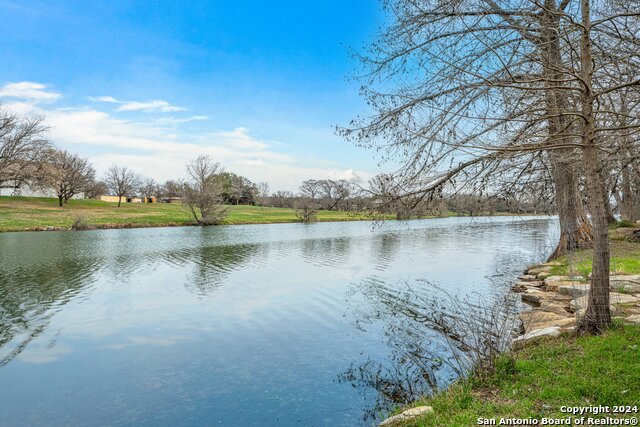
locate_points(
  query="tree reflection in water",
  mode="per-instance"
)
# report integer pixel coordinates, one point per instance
(37, 278)
(433, 336)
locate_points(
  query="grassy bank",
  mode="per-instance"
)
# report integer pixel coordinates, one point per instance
(29, 213)
(572, 371)
(625, 259)
(592, 370)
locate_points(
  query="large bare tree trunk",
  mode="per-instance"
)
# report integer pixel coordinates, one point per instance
(598, 314)
(575, 230)
(606, 197)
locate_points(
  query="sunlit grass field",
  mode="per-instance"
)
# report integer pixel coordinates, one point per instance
(538, 380)
(625, 259)
(32, 213)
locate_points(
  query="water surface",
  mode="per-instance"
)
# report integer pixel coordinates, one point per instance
(232, 325)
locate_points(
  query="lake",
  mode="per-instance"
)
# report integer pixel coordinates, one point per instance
(229, 325)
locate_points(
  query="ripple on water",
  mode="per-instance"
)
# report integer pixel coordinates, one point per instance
(242, 325)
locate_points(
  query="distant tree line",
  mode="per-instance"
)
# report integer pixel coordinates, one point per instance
(29, 159)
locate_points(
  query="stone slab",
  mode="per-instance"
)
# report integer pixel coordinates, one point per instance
(574, 290)
(406, 415)
(536, 335)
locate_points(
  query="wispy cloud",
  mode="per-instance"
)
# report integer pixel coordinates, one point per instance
(175, 120)
(154, 105)
(161, 147)
(29, 91)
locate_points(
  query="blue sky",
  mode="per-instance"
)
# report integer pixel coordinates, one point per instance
(257, 85)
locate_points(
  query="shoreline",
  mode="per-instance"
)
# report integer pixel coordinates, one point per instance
(535, 373)
(558, 301)
(132, 225)
(176, 224)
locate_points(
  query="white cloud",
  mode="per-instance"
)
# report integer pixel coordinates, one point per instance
(30, 91)
(151, 105)
(174, 120)
(155, 105)
(103, 99)
(348, 175)
(160, 148)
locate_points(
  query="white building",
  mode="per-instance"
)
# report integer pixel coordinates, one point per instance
(27, 191)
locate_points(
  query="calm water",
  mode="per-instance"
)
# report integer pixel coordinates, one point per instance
(236, 325)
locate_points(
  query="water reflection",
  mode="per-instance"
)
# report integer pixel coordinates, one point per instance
(434, 332)
(211, 265)
(36, 280)
(432, 337)
(242, 325)
(326, 252)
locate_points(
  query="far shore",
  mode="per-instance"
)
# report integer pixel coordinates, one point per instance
(44, 214)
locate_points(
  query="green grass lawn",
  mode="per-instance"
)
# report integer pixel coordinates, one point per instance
(625, 259)
(29, 213)
(591, 370)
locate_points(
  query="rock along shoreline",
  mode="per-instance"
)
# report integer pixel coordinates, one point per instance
(555, 304)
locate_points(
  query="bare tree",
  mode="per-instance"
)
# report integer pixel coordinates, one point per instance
(388, 197)
(172, 188)
(148, 189)
(468, 92)
(307, 205)
(22, 145)
(282, 199)
(306, 209)
(334, 193)
(311, 188)
(97, 188)
(203, 193)
(68, 174)
(121, 181)
(263, 193)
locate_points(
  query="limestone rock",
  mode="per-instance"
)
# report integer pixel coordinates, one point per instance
(555, 307)
(518, 288)
(566, 324)
(554, 298)
(554, 285)
(556, 279)
(615, 298)
(574, 290)
(528, 278)
(536, 335)
(531, 319)
(578, 303)
(523, 286)
(539, 269)
(532, 296)
(407, 415)
(534, 284)
(627, 283)
(635, 319)
(618, 298)
(625, 277)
